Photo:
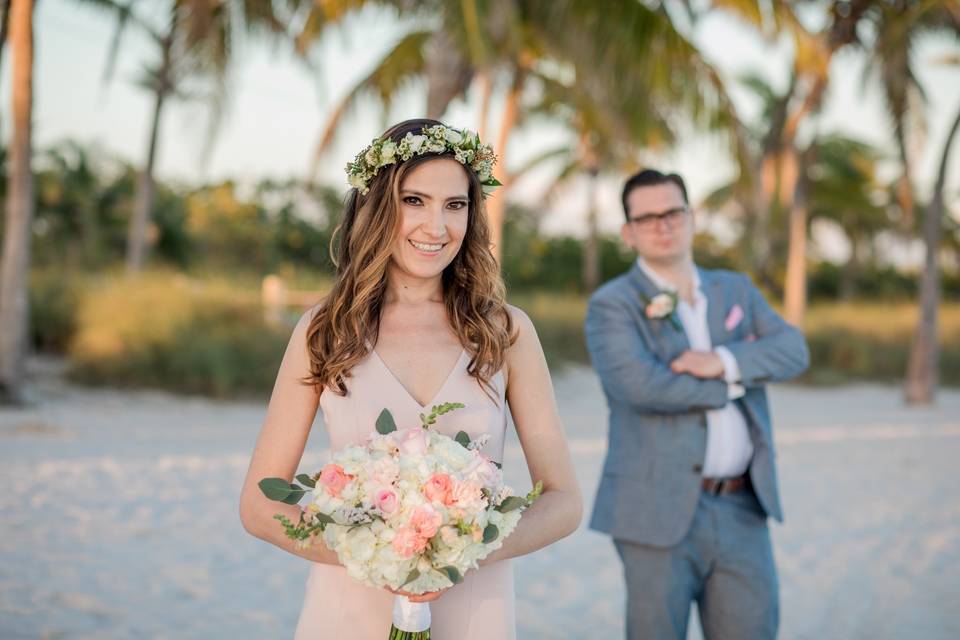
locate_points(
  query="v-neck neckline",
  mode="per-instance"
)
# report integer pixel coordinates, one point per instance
(406, 391)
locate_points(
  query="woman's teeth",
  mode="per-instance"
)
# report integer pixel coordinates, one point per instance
(426, 247)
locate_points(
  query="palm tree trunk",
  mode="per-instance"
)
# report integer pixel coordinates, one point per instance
(795, 285)
(486, 92)
(448, 74)
(15, 262)
(591, 244)
(497, 203)
(143, 202)
(922, 370)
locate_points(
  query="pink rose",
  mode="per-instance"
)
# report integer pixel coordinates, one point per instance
(386, 501)
(468, 496)
(425, 521)
(334, 479)
(411, 441)
(407, 542)
(484, 471)
(438, 488)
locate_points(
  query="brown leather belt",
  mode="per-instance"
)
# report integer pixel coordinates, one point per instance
(721, 486)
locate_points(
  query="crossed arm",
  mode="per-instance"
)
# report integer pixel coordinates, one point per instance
(633, 375)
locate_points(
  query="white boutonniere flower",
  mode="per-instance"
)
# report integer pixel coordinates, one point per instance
(663, 305)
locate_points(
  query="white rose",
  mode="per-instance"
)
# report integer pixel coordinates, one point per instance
(387, 151)
(357, 180)
(416, 142)
(453, 137)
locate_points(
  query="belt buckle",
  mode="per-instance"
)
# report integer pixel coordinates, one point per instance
(720, 486)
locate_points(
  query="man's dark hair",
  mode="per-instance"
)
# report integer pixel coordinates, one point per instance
(649, 178)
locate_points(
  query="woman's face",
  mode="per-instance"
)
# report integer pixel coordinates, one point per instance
(434, 209)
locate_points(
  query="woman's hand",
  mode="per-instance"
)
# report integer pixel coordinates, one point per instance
(421, 597)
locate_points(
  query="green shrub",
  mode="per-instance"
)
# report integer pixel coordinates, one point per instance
(165, 330)
(54, 299)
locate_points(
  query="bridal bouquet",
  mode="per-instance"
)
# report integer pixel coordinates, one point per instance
(409, 509)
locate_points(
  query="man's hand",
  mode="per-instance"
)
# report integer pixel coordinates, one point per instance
(701, 364)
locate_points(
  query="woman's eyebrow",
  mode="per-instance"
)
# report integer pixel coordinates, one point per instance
(426, 196)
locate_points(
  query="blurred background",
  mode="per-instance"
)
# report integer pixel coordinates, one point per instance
(171, 173)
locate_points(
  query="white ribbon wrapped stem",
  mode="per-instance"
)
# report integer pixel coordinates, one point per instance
(410, 616)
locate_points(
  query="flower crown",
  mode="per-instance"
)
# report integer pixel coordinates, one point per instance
(464, 144)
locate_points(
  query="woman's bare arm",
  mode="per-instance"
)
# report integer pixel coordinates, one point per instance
(558, 511)
(279, 448)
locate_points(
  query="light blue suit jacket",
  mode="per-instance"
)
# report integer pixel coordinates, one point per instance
(657, 442)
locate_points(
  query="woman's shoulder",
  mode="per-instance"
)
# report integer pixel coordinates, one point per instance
(522, 324)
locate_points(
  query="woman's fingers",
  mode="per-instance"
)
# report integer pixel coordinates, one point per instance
(417, 597)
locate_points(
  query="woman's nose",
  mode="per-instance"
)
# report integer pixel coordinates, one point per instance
(435, 224)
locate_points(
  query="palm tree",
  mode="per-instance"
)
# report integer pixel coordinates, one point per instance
(922, 369)
(899, 25)
(15, 262)
(194, 42)
(814, 51)
(845, 188)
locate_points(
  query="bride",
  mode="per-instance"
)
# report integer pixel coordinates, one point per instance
(416, 317)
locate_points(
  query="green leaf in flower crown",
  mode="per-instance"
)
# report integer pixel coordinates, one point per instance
(413, 575)
(499, 465)
(511, 503)
(463, 438)
(276, 488)
(452, 574)
(306, 480)
(295, 494)
(490, 533)
(385, 422)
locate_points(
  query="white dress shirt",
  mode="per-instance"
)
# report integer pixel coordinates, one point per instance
(729, 448)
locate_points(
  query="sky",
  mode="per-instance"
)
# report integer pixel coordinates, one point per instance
(278, 107)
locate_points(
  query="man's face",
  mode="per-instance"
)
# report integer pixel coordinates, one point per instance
(659, 224)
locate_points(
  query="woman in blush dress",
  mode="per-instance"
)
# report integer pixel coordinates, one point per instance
(416, 317)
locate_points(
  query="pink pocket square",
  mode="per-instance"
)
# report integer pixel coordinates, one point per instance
(734, 317)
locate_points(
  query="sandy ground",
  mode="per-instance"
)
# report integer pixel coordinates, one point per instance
(118, 519)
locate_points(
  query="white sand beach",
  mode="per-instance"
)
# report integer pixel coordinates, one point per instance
(118, 519)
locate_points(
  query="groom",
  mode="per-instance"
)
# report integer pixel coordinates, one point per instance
(683, 354)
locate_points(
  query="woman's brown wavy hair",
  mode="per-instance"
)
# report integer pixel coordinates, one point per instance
(346, 324)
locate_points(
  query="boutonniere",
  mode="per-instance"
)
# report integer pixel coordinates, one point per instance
(663, 305)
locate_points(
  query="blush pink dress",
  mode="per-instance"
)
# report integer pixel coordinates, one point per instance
(482, 606)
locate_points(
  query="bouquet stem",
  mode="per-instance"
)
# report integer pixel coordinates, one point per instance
(411, 620)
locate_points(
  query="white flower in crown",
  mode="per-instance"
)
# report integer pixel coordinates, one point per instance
(465, 146)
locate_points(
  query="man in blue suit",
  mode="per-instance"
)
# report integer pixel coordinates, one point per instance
(684, 354)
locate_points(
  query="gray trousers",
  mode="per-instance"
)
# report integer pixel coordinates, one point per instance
(724, 564)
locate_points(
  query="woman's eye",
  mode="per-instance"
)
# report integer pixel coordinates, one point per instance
(411, 200)
(457, 205)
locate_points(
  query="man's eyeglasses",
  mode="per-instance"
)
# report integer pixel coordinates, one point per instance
(648, 221)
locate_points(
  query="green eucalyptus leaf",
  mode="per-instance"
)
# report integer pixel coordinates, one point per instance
(385, 422)
(295, 494)
(413, 575)
(490, 533)
(511, 503)
(452, 574)
(463, 438)
(306, 480)
(275, 488)
(323, 518)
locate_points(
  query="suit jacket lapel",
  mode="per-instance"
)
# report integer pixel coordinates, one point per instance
(672, 339)
(716, 306)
